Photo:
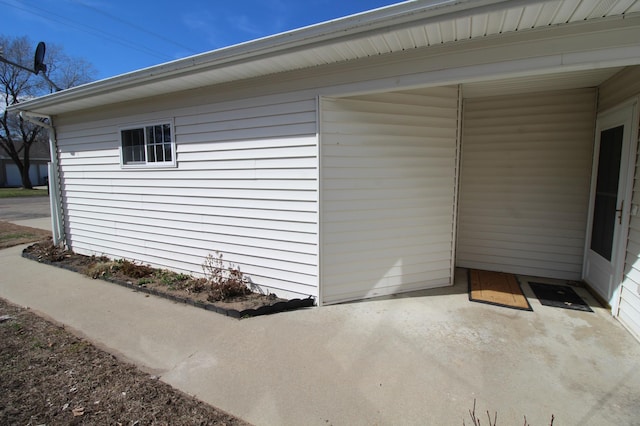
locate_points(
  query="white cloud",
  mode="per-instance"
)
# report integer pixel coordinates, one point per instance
(205, 24)
(243, 23)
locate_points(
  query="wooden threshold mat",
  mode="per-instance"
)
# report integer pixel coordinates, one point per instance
(497, 288)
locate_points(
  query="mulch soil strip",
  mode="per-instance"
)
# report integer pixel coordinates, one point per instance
(277, 307)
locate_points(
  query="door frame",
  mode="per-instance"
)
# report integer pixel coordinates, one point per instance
(627, 174)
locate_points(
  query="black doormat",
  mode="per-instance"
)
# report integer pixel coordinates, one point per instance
(559, 296)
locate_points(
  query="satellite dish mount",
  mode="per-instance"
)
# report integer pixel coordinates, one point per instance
(38, 64)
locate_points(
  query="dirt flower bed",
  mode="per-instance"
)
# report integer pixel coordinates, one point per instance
(224, 290)
(51, 377)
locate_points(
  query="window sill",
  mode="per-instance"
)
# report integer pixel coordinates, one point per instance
(147, 166)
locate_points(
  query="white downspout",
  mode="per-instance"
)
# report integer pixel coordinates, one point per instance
(55, 200)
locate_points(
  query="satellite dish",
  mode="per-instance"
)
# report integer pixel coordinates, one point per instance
(38, 60)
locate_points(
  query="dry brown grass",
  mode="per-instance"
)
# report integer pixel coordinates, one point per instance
(13, 235)
(50, 376)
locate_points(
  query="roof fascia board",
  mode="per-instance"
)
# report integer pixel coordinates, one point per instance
(516, 54)
(574, 47)
(562, 48)
(387, 18)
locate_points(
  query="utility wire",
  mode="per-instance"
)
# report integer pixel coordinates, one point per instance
(85, 28)
(132, 25)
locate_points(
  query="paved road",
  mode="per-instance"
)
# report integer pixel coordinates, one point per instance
(24, 208)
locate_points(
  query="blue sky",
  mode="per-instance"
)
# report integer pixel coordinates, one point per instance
(119, 36)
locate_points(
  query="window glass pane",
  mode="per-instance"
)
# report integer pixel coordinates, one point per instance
(158, 134)
(133, 145)
(167, 132)
(150, 154)
(159, 153)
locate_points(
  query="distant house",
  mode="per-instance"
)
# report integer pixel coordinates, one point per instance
(10, 175)
(373, 154)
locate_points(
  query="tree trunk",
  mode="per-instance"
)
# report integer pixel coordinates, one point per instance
(26, 165)
(26, 180)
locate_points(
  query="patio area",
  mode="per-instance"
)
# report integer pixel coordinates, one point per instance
(418, 358)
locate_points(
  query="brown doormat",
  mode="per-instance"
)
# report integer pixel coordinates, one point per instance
(497, 288)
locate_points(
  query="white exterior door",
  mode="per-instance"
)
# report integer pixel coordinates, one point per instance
(609, 202)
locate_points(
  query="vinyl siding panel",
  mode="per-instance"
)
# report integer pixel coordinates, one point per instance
(524, 185)
(628, 313)
(619, 88)
(629, 307)
(629, 303)
(245, 185)
(388, 191)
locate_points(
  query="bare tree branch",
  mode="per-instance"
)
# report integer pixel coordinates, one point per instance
(19, 83)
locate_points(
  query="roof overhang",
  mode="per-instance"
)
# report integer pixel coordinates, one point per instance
(405, 26)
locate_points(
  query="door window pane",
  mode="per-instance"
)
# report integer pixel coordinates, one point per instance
(606, 201)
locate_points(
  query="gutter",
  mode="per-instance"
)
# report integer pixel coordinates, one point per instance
(381, 19)
(55, 199)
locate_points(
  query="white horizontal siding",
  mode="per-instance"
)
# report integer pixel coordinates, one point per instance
(524, 186)
(628, 312)
(629, 303)
(619, 88)
(245, 185)
(388, 183)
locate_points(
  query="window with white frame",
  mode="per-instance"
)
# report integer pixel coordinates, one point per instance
(148, 145)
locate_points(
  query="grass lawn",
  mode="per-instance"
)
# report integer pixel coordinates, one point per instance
(12, 235)
(19, 192)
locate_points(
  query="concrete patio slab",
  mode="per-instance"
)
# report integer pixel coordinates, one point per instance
(415, 359)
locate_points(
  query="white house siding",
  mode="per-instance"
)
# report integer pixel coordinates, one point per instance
(619, 88)
(388, 190)
(629, 304)
(245, 186)
(613, 92)
(524, 185)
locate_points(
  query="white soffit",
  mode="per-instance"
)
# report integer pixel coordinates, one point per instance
(401, 27)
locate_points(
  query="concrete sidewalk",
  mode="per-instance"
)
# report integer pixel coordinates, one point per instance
(404, 360)
(39, 223)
